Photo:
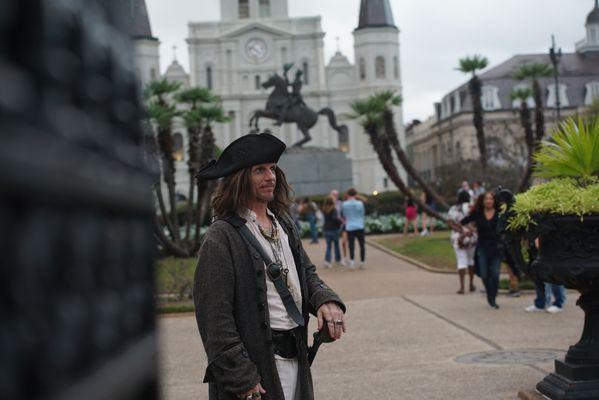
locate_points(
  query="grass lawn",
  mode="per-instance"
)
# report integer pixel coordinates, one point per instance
(174, 284)
(434, 250)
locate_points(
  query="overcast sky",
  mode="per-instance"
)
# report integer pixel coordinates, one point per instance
(434, 34)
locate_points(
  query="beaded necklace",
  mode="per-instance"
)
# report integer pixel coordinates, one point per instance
(273, 238)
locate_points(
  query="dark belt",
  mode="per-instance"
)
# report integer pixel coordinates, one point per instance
(285, 343)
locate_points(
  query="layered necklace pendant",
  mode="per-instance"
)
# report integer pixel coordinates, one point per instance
(274, 239)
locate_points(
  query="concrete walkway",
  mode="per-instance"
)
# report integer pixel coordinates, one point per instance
(406, 329)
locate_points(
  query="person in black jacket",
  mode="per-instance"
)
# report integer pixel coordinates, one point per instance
(332, 225)
(488, 254)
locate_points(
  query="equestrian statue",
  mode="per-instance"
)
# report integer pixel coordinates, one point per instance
(288, 107)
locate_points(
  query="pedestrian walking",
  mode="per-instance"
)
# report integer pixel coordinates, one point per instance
(332, 224)
(353, 212)
(342, 231)
(428, 223)
(308, 210)
(488, 254)
(254, 284)
(544, 291)
(463, 243)
(411, 217)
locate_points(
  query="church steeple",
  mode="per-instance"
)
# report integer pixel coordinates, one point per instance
(139, 26)
(375, 14)
(593, 17)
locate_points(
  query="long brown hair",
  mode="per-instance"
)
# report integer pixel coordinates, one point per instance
(328, 205)
(233, 193)
(479, 206)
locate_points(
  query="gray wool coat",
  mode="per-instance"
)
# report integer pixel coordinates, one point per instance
(232, 313)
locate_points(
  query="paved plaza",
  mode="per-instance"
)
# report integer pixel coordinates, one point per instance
(410, 337)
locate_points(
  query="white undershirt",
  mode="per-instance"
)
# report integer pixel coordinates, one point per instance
(279, 318)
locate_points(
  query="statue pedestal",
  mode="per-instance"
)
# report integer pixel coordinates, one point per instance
(315, 170)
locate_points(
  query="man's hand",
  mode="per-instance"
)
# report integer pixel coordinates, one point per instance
(331, 315)
(258, 389)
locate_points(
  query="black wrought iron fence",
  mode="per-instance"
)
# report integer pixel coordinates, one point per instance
(76, 212)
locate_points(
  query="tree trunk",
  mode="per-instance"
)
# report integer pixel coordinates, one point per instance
(193, 165)
(530, 144)
(539, 110)
(163, 212)
(391, 133)
(171, 246)
(475, 87)
(165, 142)
(382, 148)
(207, 152)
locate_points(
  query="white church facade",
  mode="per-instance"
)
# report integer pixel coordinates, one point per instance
(255, 38)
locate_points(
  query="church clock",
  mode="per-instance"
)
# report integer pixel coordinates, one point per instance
(256, 50)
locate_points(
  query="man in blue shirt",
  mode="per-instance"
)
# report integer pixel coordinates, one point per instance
(353, 212)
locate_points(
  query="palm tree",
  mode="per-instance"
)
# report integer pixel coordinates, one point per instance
(193, 122)
(522, 95)
(534, 71)
(383, 103)
(368, 112)
(209, 114)
(162, 110)
(469, 65)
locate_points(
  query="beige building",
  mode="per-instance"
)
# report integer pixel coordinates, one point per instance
(448, 137)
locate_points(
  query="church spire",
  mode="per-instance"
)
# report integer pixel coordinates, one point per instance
(139, 27)
(375, 14)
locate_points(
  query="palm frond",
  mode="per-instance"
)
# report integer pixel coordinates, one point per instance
(213, 113)
(161, 87)
(521, 94)
(573, 151)
(533, 70)
(471, 64)
(196, 95)
(162, 115)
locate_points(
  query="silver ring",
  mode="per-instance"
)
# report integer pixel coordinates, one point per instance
(339, 322)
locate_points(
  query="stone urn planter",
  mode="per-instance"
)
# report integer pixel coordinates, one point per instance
(564, 249)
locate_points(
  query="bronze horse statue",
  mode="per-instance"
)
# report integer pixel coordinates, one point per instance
(294, 109)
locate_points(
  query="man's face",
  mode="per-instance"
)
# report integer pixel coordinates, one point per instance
(264, 180)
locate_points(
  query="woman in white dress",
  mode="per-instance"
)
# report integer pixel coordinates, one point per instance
(464, 243)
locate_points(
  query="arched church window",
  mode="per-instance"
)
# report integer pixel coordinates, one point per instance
(257, 82)
(244, 9)
(306, 73)
(343, 137)
(178, 147)
(396, 67)
(563, 95)
(284, 54)
(153, 74)
(362, 69)
(264, 8)
(209, 77)
(379, 67)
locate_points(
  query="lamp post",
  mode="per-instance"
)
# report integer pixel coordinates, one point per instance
(556, 57)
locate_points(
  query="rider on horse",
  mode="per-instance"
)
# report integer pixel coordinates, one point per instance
(295, 98)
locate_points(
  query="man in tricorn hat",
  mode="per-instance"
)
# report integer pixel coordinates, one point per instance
(255, 285)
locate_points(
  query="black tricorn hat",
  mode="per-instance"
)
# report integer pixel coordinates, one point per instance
(248, 150)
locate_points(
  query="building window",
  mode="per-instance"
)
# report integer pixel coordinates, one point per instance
(592, 93)
(209, 77)
(257, 82)
(362, 69)
(379, 67)
(490, 98)
(284, 54)
(306, 72)
(244, 9)
(264, 8)
(563, 96)
(396, 67)
(178, 147)
(153, 74)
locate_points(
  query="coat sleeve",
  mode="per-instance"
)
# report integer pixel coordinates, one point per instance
(319, 293)
(229, 365)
